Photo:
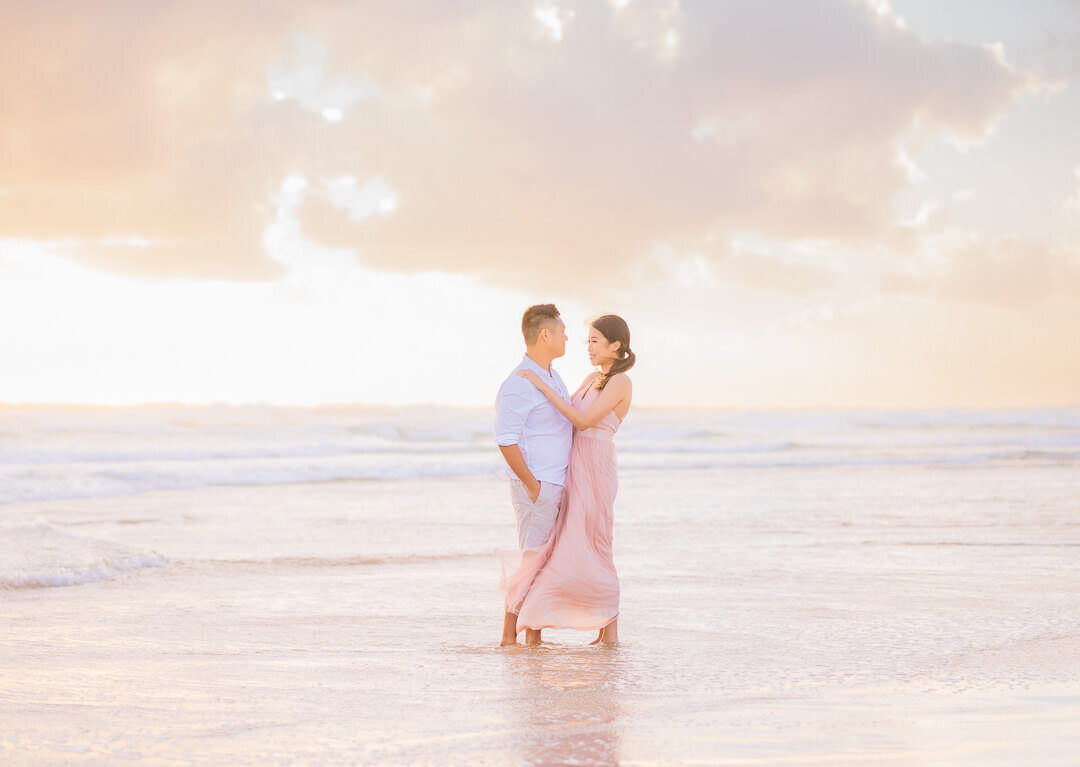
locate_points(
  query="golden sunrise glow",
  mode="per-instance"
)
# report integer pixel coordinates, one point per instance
(348, 203)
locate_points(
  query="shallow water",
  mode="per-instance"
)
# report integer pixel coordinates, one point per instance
(854, 612)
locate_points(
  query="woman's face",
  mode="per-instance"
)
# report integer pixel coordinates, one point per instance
(600, 349)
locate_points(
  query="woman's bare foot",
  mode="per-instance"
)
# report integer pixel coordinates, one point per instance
(599, 638)
(508, 642)
(532, 637)
(610, 633)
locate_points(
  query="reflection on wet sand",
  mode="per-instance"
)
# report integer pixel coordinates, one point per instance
(568, 703)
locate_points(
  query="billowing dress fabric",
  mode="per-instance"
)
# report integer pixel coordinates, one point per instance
(570, 581)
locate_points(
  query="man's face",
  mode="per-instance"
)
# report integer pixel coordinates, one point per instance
(557, 338)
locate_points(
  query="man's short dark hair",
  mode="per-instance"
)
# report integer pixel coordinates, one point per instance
(536, 318)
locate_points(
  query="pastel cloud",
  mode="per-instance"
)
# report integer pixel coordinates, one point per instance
(488, 143)
(1005, 271)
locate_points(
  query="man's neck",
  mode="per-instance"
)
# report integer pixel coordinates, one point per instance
(541, 360)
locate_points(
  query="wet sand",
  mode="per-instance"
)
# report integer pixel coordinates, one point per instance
(871, 616)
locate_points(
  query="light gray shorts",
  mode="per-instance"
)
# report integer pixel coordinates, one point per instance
(535, 520)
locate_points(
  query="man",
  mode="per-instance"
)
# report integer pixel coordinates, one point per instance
(534, 439)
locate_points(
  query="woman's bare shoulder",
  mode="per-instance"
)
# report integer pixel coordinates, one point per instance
(589, 380)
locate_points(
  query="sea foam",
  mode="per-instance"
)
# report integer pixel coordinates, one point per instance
(41, 555)
(57, 452)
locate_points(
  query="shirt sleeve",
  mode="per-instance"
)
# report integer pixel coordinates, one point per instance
(511, 409)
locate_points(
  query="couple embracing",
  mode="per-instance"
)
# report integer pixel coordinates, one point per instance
(560, 449)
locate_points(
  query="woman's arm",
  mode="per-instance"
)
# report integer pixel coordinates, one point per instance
(614, 392)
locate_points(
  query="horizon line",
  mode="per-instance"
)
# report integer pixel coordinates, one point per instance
(356, 404)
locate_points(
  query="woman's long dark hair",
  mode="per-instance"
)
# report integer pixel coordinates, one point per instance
(614, 328)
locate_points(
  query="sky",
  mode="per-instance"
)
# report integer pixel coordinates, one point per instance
(793, 203)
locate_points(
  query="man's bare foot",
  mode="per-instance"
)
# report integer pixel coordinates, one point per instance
(509, 636)
(532, 636)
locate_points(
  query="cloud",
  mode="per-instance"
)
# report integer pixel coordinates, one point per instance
(733, 264)
(510, 151)
(1071, 206)
(999, 271)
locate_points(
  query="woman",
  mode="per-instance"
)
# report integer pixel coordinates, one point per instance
(571, 582)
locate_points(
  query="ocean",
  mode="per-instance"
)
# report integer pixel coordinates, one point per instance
(222, 585)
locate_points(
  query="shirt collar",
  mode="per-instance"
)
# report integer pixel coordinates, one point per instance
(529, 362)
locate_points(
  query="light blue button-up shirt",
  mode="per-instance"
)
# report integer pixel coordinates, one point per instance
(526, 418)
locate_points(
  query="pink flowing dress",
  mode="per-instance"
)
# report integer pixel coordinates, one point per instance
(570, 581)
